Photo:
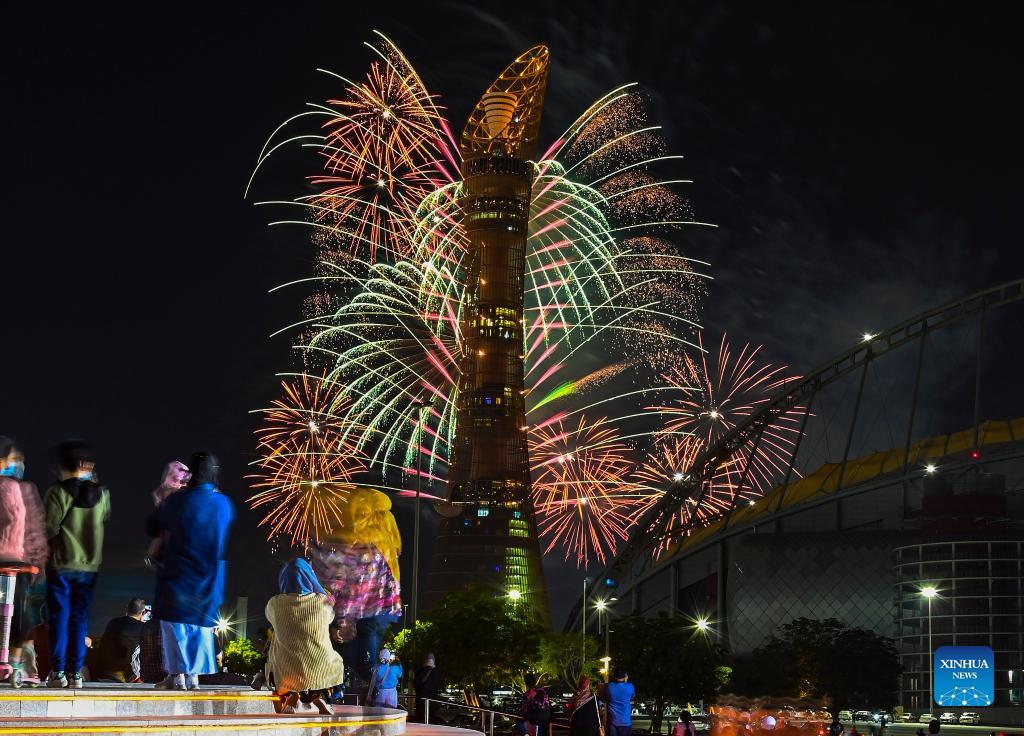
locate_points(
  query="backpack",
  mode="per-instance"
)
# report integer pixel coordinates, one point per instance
(538, 706)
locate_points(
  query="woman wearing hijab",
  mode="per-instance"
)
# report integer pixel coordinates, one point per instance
(302, 664)
(195, 524)
(584, 717)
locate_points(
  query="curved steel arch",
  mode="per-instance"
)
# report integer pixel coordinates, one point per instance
(644, 536)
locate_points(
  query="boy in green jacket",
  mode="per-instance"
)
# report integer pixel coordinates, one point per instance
(77, 509)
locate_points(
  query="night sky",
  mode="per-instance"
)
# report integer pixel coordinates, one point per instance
(862, 162)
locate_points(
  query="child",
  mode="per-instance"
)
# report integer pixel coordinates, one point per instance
(302, 663)
(176, 477)
(77, 510)
(22, 538)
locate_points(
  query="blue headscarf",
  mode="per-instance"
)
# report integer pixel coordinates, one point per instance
(298, 578)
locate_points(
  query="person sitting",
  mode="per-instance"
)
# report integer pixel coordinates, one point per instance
(302, 664)
(117, 656)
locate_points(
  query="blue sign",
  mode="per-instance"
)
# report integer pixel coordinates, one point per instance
(964, 676)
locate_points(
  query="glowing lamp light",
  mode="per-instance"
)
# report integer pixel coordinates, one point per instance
(975, 454)
(702, 624)
(514, 595)
(601, 605)
(222, 626)
(929, 468)
(867, 337)
(929, 591)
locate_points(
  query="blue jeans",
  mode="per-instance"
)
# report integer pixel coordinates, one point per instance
(620, 730)
(68, 597)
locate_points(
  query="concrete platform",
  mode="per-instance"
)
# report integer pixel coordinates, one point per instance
(135, 709)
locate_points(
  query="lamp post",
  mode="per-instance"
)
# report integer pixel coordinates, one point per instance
(929, 592)
(419, 405)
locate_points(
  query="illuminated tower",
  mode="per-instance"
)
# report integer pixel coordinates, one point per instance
(493, 541)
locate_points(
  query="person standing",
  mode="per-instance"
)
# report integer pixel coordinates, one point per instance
(22, 538)
(118, 657)
(618, 697)
(195, 524)
(384, 679)
(427, 682)
(536, 708)
(684, 725)
(584, 716)
(76, 512)
(836, 728)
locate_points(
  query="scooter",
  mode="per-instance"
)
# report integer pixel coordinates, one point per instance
(9, 570)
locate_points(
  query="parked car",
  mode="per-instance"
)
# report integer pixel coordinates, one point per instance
(925, 718)
(970, 719)
(906, 717)
(948, 717)
(845, 715)
(878, 715)
(862, 715)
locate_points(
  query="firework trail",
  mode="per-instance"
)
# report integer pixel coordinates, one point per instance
(581, 487)
(610, 301)
(722, 395)
(306, 466)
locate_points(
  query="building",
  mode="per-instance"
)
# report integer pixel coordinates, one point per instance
(935, 541)
(491, 539)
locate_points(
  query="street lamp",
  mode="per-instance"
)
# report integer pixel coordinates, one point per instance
(702, 625)
(929, 592)
(419, 405)
(514, 595)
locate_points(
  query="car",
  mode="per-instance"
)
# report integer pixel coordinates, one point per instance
(970, 719)
(905, 717)
(845, 715)
(948, 717)
(878, 715)
(862, 715)
(925, 718)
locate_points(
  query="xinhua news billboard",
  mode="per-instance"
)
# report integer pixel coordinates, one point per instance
(964, 676)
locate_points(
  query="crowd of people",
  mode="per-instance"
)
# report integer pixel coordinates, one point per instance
(55, 543)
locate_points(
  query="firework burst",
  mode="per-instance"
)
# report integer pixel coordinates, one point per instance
(609, 299)
(306, 464)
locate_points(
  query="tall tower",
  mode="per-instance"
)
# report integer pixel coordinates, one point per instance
(493, 541)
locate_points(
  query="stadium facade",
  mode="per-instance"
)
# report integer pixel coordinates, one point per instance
(950, 518)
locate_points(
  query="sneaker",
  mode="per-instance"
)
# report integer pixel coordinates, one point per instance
(192, 682)
(56, 679)
(171, 682)
(75, 681)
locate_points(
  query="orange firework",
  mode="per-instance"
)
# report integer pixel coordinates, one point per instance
(307, 461)
(384, 151)
(580, 487)
(672, 461)
(718, 397)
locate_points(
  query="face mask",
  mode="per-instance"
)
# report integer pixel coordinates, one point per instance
(14, 470)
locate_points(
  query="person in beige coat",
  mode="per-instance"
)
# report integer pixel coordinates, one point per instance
(302, 664)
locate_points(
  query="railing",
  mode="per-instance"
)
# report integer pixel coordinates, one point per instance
(487, 716)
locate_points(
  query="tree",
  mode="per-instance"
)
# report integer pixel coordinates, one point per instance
(668, 660)
(563, 661)
(480, 640)
(243, 658)
(807, 658)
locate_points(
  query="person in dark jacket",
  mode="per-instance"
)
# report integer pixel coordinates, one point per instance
(195, 524)
(76, 510)
(117, 657)
(428, 683)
